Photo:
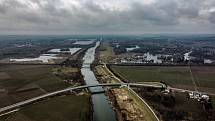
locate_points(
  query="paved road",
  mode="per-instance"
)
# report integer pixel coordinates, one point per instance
(168, 87)
(185, 90)
(17, 105)
(158, 83)
(161, 86)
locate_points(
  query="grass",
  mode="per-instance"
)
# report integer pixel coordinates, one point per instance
(153, 74)
(178, 76)
(65, 70)
(213, 101)
(204, 76)
(105, 75)
(148, 115)
(18, 77)
(63, 108)
(106, 51)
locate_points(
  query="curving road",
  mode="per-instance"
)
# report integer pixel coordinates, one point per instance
(162, 86)
(17, 105)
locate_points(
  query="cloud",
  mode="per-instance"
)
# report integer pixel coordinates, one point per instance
(212, 17)
(110, 16)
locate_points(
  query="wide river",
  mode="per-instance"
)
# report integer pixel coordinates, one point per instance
(102, 108)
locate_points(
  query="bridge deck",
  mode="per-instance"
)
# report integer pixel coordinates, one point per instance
(17, 105)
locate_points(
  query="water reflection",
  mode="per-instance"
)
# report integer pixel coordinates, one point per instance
(102, 109)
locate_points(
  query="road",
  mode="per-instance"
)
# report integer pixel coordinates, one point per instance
(185, 90)
(29, 101)
(162, 86)
(155, 83)
(168, 87)
(192, 78)
(17, 105)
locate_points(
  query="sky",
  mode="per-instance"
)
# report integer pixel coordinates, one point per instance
(106, 16)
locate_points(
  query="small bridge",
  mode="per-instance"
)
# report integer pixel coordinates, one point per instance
(29, 101)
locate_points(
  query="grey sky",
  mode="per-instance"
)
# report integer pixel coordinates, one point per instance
(106, 16)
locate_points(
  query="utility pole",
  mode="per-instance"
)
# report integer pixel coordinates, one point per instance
(192, 78)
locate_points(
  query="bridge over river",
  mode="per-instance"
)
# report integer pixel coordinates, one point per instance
(35, 99)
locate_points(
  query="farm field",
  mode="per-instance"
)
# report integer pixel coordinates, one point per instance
(63, 108)
(176, 76)
(21, 82)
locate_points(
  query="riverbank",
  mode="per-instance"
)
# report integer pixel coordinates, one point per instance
(101, 107)
(132, 102)
(173, 105)
(125, 107)
(127, 104)
(20, 82)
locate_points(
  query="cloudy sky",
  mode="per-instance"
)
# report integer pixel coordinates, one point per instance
(106, 16)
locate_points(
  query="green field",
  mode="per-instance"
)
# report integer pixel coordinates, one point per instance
(18, 76)
(63, 108)
(176, 76)
(20, 82)
(106, 52)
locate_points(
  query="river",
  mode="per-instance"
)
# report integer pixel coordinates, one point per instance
(102, 108)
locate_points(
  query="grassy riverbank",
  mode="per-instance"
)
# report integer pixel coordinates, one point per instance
(128, 103)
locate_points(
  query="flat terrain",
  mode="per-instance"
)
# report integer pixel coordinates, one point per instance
(174, 107)
(21, 82)
(129, 106)
(146, 111)
(140, 107)
(63, 108)
(106, 52)
(176, 76)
